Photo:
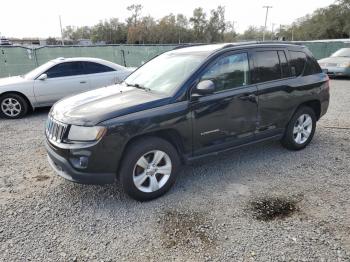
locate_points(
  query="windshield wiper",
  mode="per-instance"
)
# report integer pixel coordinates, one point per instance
(138, 86)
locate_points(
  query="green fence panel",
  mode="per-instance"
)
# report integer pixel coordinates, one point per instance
(318, 49)
(16, 61)
(325, 49)
(19, 60)
(110, 53)
(135, 55)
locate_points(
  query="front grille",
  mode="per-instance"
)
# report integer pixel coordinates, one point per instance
(55, 130)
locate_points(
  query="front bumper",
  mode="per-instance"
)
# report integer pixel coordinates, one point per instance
(337, 71)
(64, 169)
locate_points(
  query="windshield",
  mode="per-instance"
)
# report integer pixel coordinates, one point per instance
(344, 52)
(39, 70)
(165, 73)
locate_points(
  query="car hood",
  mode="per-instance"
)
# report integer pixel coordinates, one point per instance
(13, 80)
(334, 60)
(93, 107)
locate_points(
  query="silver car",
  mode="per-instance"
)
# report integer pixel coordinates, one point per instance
(54, 80)
(338, 64)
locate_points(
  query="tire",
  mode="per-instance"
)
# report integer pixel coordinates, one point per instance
(302, 123)
(147, 175)
(13, 106)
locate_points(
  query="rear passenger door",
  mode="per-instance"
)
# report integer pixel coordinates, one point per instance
(272, 75)
(100, 75)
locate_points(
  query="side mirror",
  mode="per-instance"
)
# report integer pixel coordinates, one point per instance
(204, 87)
(42, 77)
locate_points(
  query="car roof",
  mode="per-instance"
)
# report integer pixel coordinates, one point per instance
(87, 59)
(213, 48)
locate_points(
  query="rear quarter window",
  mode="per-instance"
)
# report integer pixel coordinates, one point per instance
(297, 62)
(95, 68)
(312, 67)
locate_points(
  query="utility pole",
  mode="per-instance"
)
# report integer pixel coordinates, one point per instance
(273, 25)
(233, 25)
(267, 12)
(61, 31)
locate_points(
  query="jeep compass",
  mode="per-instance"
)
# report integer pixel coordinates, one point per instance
(185, 104)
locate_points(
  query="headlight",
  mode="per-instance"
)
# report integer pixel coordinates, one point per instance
(344, 64)
(85, 133)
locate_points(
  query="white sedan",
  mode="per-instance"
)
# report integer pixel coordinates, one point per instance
(54, 80)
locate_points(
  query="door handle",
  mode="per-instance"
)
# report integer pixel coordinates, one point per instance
(82, 82)
(248, 97)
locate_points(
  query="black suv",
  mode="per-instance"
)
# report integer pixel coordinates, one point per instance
(186, 104)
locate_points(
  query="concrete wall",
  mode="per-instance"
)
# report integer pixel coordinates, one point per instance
(19, 60)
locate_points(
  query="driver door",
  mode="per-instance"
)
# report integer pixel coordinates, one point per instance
(62, 80)
(228, 117)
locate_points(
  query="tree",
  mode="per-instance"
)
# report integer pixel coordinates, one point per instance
(324, 23)
(230, 34)
(199, 24)
(53, 41)
(182, 27)
(216, 25)
(135, 14)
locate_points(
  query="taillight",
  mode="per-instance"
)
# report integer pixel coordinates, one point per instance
(327, 82)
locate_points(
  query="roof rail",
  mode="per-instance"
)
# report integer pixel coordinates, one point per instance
(187, 45)
(261, 42)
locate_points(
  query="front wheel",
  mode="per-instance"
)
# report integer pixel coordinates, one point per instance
(300, 130)
(13, 106)
(149, 168)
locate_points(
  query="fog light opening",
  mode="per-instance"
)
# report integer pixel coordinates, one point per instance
(83, 161)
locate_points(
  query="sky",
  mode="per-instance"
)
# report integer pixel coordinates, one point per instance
(40, 18)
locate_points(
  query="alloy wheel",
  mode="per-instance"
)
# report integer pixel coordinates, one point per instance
(152, 171)
(302, 129)
(11, 107)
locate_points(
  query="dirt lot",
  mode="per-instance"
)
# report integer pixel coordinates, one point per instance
(254, 204)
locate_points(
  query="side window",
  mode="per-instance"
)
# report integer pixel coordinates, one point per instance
(267, 66)
(95, 68)
(229, 72)
(297, 62)
(312, 67)
(65, 69)
(284, 64)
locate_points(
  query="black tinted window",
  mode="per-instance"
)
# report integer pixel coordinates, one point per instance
(94, 68)
(284, 64)
(297, 62)
(312, 67)
(267, 66)
(65, 69)
(229, 72)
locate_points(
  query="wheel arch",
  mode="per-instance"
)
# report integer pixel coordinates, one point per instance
(170, 135)
(314, 104)
(20, 94)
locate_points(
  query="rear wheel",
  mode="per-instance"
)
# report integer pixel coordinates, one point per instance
(13, 106)
(300, 129)
(149, 168)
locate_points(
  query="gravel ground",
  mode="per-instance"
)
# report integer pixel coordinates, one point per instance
(259, 203)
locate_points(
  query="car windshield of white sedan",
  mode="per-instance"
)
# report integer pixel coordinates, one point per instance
(344, 52)
(38, 71)
(165, 73)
